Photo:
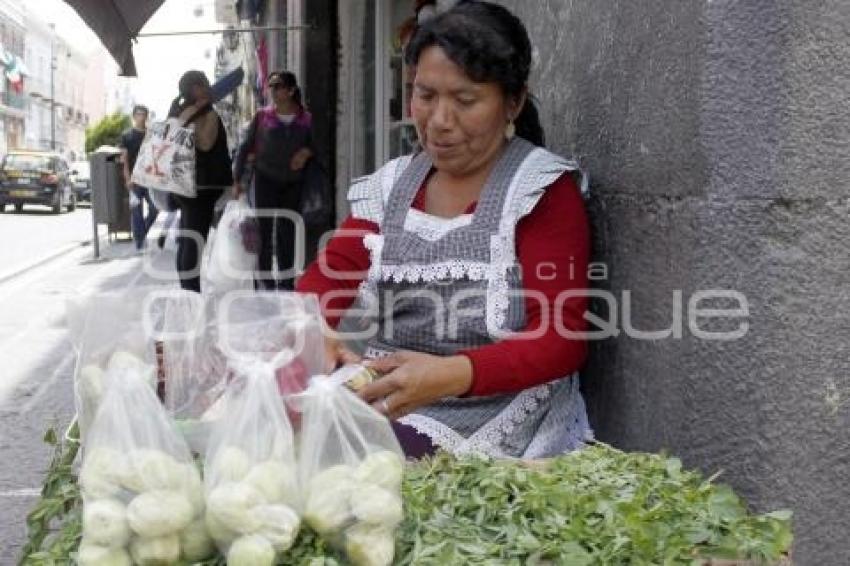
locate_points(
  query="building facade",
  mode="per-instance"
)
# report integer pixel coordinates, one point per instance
(56, 86)
(13, 102)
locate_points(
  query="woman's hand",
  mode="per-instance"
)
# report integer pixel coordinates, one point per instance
(336, 354)
(414, 379)
(300, 158)
(237, 189)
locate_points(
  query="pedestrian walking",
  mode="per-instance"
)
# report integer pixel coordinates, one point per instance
(212, 173)
(131, 142)
(280, 140)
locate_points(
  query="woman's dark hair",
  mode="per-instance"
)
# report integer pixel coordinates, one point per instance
(289, 80)
(490, 44)
(184, 86)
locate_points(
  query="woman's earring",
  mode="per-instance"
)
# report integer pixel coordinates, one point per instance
(510, 130)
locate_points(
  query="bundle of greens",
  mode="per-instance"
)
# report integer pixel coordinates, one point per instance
(598, 506)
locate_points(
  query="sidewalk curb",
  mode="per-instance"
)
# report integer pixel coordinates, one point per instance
(6, 276)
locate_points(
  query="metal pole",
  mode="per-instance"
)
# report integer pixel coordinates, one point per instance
(95, 240)
(52, 88)
(236, 30)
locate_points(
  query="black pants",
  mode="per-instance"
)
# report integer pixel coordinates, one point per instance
(277, 234)
(196, 217)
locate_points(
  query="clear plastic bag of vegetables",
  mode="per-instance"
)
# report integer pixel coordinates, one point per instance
(251, 480)
(108, 334)
(194, 370)
(280, 329)
(142, 493)
(351, 468)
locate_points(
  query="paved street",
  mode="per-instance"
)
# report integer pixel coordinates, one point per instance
(35, 233)
(35, 349)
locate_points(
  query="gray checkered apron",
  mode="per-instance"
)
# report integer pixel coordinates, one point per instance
(433, 295)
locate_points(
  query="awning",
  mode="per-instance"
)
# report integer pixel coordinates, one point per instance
(117, 23)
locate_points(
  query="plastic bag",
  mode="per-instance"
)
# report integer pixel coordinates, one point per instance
(282, 329)
(195, 373)
(142, 493)
(107, 332)
(351, 469)
(228, 264)
(164, 201)
(251, 482)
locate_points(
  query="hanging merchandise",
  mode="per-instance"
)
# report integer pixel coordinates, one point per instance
(262, 67)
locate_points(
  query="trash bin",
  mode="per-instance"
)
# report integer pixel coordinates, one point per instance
(110, 199)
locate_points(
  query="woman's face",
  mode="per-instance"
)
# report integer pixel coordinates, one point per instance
(200, 93)
(461, 123)
(281, 94)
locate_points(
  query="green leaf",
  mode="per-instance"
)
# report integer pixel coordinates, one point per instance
(50, 436)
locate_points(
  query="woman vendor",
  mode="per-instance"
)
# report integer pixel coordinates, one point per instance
(473, 256)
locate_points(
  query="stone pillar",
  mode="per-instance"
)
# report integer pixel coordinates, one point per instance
(717, 136)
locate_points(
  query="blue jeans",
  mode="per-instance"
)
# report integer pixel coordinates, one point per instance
(141, 223)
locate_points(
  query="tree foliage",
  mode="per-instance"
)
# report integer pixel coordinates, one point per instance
(107, 131)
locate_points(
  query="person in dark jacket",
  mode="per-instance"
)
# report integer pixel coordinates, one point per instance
(280, 142)
(130, 144)
(212, 174)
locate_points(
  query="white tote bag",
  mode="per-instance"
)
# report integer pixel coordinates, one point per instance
(166, 159)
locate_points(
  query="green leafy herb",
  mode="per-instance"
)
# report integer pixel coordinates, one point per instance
(598, 506)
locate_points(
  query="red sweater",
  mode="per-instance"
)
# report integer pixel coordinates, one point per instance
(552, 247)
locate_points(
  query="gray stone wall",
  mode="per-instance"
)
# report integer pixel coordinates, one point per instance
(717, 135)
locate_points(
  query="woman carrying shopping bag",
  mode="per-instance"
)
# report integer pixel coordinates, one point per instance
(280, 140)
(212, 173)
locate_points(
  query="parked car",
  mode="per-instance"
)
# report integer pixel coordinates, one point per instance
(81, 178)
(36, 177)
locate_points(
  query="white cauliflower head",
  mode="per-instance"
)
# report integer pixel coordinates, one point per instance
(196, 542)
(251, 550)
(231, 506)
(276, 480)
(105, 523)
(193, 488)
(367, 545)
(327, 508)
(219, 533)
(157, 551)
(102, 472)
(278, 525)
(149, 469)
(158, 513)
(230, 464)
(93, 555)
(383, 468)
(377, 506)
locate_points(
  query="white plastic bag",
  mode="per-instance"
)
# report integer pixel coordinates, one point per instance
(282, 329)
(107, 332)
(228, 265)
(251, 482)
(351, 469)
(142, 493)
(195, 374)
